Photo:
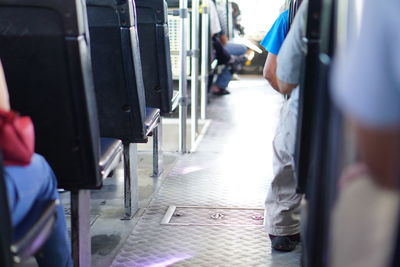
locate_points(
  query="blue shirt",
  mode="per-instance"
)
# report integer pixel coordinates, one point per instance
(273, 41)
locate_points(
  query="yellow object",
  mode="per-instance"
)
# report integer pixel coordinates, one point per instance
(202, 6)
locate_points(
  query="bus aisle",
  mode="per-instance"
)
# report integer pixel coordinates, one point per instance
(223, 182)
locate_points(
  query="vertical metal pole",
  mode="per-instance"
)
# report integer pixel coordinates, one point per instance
(205, 39)
(230, 19)
(157, 150)
(131, 191)
(183, 13)
(195, 68)
(80, 228)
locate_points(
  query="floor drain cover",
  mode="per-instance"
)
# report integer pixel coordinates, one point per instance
(211, 216)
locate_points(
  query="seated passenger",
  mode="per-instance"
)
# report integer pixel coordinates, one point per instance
(30, 184)
(228, 53)
(366, 87)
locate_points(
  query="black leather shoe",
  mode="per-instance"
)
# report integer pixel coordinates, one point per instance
(284, 243)
(222, 92)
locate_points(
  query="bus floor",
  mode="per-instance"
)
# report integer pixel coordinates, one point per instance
(207, 208)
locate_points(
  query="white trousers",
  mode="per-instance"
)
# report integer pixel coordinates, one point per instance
(282, 205)
(364, 225)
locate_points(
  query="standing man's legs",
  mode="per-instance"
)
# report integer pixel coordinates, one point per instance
(29, 190)
(282, 212)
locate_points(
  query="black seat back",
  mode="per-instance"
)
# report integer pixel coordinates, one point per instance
(175, 3)
(155, 53)
(5, 223)
(45, 56)
(117, 69)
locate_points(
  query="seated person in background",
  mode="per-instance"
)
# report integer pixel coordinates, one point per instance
(366, 87)
(227, 53)
(30, 185)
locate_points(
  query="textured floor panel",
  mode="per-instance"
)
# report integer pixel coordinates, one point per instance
(213, 216)
(231, 168)
(153, 245)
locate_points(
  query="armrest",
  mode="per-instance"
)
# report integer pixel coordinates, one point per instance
(37, 235)
(110, 155)
(152, 119)
(175, 100)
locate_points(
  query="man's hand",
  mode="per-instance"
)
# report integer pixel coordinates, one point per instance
(4, 98)
(286, 88)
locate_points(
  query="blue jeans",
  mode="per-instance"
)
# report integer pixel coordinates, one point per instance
(29, 189)
(226, 75)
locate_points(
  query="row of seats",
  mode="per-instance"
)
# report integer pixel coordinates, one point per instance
(95, 77)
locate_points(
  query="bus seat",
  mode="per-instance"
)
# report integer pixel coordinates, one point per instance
(117, 70)
(119, 83)
(110, 155)
(152, 16)
(48, 71)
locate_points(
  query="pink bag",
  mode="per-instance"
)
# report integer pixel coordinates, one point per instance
(17, 138)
